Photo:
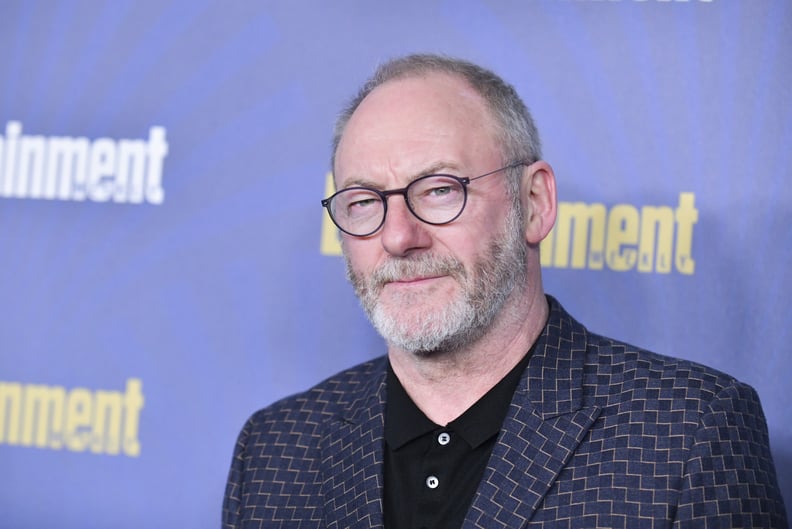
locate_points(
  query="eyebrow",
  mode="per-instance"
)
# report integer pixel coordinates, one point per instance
(443, 167)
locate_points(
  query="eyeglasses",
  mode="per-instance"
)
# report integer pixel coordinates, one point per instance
(434, 199)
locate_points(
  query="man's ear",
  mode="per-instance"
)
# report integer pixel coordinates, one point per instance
(538, 199)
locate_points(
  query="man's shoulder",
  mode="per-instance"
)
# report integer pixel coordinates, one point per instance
(614, 363)
(610, 354)
(330, 397)
(619, 372)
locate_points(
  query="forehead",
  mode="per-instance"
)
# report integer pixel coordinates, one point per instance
(409, 123)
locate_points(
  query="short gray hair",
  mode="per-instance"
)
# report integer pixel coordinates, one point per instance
(516, 131)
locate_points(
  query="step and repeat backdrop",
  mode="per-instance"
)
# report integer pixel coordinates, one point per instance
(166, 267)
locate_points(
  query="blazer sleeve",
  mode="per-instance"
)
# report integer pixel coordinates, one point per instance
(730, 479)
(233, 492)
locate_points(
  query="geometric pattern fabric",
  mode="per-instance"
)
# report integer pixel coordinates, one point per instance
(598, 434)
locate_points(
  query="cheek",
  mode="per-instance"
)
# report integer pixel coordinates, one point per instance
(359, 253)
(468, 244)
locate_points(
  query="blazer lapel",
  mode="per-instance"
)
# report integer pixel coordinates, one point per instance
(544, 426)
(352, 460)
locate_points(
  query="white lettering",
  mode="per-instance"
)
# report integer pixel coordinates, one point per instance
(67, 168)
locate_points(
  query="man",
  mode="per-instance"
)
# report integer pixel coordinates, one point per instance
(493, 407)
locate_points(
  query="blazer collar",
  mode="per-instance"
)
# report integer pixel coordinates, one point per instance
(352, 455)
(544, 426)
(554, 378)
(546, 422)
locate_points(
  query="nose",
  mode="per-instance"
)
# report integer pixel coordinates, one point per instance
(403, 233)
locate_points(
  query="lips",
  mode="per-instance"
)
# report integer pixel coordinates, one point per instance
(414, 279)
(415, 271)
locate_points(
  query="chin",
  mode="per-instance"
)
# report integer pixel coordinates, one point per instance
(427, 332)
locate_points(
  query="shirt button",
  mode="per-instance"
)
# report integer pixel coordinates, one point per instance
(444, 438)
(432, 482)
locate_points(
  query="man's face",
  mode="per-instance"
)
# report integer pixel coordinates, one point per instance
(429, 288)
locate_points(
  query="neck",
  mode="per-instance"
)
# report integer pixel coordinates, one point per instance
(444, 385)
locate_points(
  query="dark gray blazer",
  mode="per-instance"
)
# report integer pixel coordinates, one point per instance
(598, 434)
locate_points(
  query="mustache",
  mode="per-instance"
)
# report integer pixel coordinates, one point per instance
(422, 266)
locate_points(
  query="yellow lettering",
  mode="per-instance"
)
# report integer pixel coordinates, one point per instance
(77, 429)
(657, 221)
(133, 403)
(546, 249)
(107, 423)
(685, 215)
(10, 412)
(51, 417)
(44, 403)
(623, 224)
(587, 220)
(329, 245)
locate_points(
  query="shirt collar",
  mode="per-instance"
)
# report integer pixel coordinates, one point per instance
(404, 421)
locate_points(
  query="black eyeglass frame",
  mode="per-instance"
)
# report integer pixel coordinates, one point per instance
(463, 181)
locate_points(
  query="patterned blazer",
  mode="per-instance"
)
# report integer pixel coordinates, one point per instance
(598, 434)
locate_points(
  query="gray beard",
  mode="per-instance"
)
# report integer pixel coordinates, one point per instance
(465, 318)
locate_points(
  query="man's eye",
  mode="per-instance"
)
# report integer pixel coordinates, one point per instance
(440, 191)
(362, 203)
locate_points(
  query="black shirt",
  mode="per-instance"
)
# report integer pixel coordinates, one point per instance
(433, 471)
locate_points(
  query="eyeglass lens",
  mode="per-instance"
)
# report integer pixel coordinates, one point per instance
(436, 199)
